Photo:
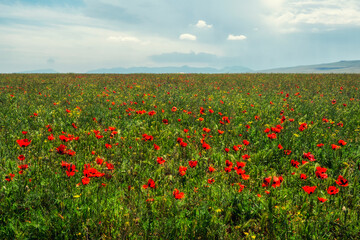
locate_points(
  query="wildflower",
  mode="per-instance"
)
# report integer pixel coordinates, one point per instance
(23, 142)
(9, 177)
(211, 181)
(341, 181)
(193, 163)
(182, 170)
(322, 199)
(309, 190)
(177, 194)
(85, 180)
(160, 160)
(277, 181)
(335, 147)
(206, 146)
(320, 172)
(272, 136)
(332, 190)
(294, 163)
(150, 184)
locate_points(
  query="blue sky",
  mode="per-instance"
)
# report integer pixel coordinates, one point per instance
(81, 35)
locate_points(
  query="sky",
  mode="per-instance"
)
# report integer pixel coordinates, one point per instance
(83, 35)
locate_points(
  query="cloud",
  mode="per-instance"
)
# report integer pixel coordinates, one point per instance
(177, 57)
(202, 24)
(123, 39)
(294, 16)
(187, 36)
(236, 37)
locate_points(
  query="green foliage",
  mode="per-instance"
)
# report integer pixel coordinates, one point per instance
(106, 116)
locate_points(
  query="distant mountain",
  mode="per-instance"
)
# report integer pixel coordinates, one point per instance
(183, 69)
(336, 67)
(40, 71)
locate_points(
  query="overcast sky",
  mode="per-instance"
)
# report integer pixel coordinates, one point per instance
(82, 35)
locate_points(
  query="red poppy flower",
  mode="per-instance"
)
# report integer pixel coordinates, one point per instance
(342, 142)
(24, 132)
(320, 145)
(174, 109)
(206, 146)
(236, 148)
(332, 190)
(110, 166)
(277, 181)
(227, 150)
(108, 145)
(294, 163)
(211, 181)
(160, 160)
(272, 136)
(322, 199)
(341, 181)
(9, 177)
(303, 176)
(320, 172)
(186, 130)
(280, 147)
(182, 170)
(156, 147)
(309, 156)
(245, 157)
(220, 132)
(150, 184)
(23, 167)
(165, 121)
(193, 163)
(211, 169)
(266, 181)
(99, 161)
(335, 147)
(23, 142)
(287, 152)
(21, 157)
(309, 190)
(85, 180)
(177, 194)
(241, 187)
(183, 144)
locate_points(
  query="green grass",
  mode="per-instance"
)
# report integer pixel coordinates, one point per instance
(45, 203)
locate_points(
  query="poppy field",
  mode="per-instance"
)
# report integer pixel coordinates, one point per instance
(180, 156)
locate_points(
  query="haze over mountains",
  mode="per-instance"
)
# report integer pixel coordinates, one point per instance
(336, 67)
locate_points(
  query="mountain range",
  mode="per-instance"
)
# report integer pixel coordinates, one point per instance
(335, 67)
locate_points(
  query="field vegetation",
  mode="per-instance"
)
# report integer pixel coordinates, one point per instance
(179, 156)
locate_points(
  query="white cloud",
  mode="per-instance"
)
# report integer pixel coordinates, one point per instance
(203, 24)
(236, 37)
(187, 36)
(293, 15)
(123, 39)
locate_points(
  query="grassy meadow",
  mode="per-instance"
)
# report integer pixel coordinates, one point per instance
(179, 156)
